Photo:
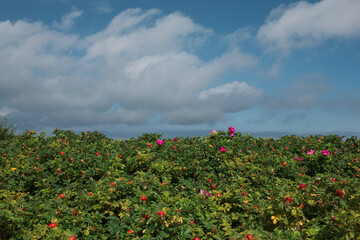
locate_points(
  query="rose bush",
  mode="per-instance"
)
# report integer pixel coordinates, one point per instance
(147, 188)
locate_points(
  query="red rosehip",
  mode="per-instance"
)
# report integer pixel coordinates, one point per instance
(143, 198)
(210, 180)
(97, 154)
(61, 153)
(244, 194)
(218, 195)
(213, 186)
(146, 217)
(288, 199)
(61, 195)
(52, 225)
(161, 213)
(340, 193)
(72, 238)
(89, 194)
(196, 238)
(302, 186)
(112, 184)
(249, 237)
(283, 163)
(59, 170)
(130, 231)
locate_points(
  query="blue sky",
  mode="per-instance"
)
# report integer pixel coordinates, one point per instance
(181, 67)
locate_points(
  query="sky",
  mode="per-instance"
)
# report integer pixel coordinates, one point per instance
(184, 68)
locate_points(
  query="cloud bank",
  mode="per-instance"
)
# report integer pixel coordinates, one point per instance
(304, 24)
(141, 66)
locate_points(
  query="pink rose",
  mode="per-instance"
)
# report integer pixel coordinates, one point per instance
(223, 149)
(213, 131)
(311, 152)
(160, 142)
(325, 152)
(232, 131)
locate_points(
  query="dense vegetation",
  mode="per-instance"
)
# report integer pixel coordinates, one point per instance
(221, 186)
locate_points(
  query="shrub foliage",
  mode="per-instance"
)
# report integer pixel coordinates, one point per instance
(212, 187)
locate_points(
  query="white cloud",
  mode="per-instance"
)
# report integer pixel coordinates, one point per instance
(67, 21)
(139, 67)
(232, 97)
(304, 24)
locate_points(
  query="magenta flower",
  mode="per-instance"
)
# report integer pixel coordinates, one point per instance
(325, 152)
(160, 142)
(223, 149)
(232, 131)
(175, 139)
(299, 159)
(203, 192)
(311, 152)
(149, 145)
(212, 132)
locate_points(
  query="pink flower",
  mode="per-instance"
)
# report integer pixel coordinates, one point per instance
(212, 132)
(232, 131)
(160, 142)
(203, 192)
(223, 149)
(149, 145)
(299, 159)
(311, 152)
(175, 139)
(325, 152)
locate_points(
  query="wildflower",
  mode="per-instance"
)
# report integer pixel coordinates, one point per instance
(160, 142)
(311, 152)
(325, 152)
(232, 131)
(203, 192)
(223, 149)
(213, 132)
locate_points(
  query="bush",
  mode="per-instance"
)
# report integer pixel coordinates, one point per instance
(6, 131)
(211, 187)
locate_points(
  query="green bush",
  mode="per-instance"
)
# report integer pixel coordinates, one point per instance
(6, 131)
(94, 187)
